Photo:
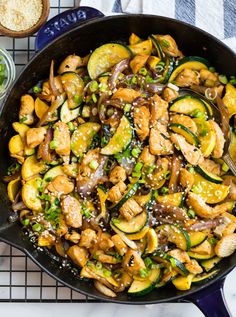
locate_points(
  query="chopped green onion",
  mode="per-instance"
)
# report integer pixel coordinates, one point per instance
(167, 175)
(165, 43)
(93, 164)
(13, 168)
(191, 169)
(148, 262)
(150, 169)
(223, 79)
(127, 107)
(103, 87)
(106, 273)
(225, 167)
(93, 86)
(77, 99)
(86, 212)
(134, 80)
(135, 152)
(53, 144)
(213, 240)
(138, 167)
(143, 272)
(37, 227)
(94, 98)
(71, 126)
(36, 89)
(26, 222)
(197, 113)
(149, 79)
(164, 190)
(197, 189)
(143, 71)
(136, 174)
(99, 265)
(232, 80)
(57, 201)
(155, 194)
(212, 69)
(23, 119)
(74, 159)
(172, 262)
(191, 213)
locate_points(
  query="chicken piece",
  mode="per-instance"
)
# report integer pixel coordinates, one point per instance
(35, 136)
(119, 244)
(226, 246)
(141, 122)
(146, 157)
(62, 228)
(192, 154)
(169, 94)
(174, 174)
(180, 255)
(62, 138)
(78, 255)
(231, 182)
(193, 267)
(71, 208)
(220, 140)
(130, 209)
(159, 111)
(211, 166)
(105, 258)
(70, 169)
(185, 121)
(126, 94)
(138, 62)
(202, 209)
(186, 179)
(159, 141)
(26, 113)
(74, 237)
(116, 192)
(61, 185)
(70, 63)
(88, 178)
(227, 225)
(186, 78)
(88, 238)
(46, 239)
(168, 45)
(118, 174)
(209, 79)
(203, 248)
(133, 262)
(105, 242)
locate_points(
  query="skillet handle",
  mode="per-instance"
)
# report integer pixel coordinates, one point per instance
(211, 300)
(64, 22)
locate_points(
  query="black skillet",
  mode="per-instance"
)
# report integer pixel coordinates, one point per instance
(80, 40)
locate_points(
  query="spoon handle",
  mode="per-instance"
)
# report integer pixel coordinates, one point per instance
(229, 161)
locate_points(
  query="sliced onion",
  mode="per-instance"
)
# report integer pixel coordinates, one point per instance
(52, 80)
(117, 69)
(168, 209)
(204, 225)
(172, 86)
(211, 93)
(154, 88)
(175, 168)
(126, 240)
(104, 289)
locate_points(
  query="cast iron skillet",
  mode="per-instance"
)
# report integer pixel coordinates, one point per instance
(192, 41)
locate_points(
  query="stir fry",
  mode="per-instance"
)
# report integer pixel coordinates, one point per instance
(118, 166)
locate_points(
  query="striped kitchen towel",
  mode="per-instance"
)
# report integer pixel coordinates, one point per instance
(217, 17)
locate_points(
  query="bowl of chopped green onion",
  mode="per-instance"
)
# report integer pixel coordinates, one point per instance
(7, 71)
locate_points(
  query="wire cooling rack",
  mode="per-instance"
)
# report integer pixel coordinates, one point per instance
(20, 279)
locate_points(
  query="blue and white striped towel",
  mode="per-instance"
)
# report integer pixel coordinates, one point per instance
(217, 17)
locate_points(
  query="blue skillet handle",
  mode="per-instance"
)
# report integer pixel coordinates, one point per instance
(211, 300)
(64, 22)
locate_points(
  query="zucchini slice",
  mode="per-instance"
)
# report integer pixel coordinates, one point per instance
(145, 286)
(152, 241)
(13, 188)
(138, 235)
(134, 225)
(168, 70)
(209, 264)
(168, 275)
(176, 235)
(208, 176)
(232, 147)
(184, 131)
(183, 283)
(229, 99)
(192, 62)
(82, 137)
(198, 256)
(32, 167)
(120, 140)
(160, 256)
(197, 237)
(204, 277)
(157, 47)
(131, 191)
(73, 85)
(67, 114)
(188, 105)
(105, 57)
(207, 136)
(51, 174)
(174, 199)
(30, 193)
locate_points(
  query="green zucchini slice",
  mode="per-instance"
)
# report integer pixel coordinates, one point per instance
(67, 114)
(105, 57)
(192, 62)
(152, 241)
(82, 137)
(157, 47)
(197, 237)
(51, 174)
(134, 225)
(145, 286)
(208, 176)
(204, 277)
(184, 131)
(199, 256)
(131, 191)
(160, 256)
(121, 139)
(188, 105)
(209, 264)
(73, 85)
(174, 199)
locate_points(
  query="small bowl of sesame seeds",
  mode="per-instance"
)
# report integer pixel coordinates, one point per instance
(22, 18)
